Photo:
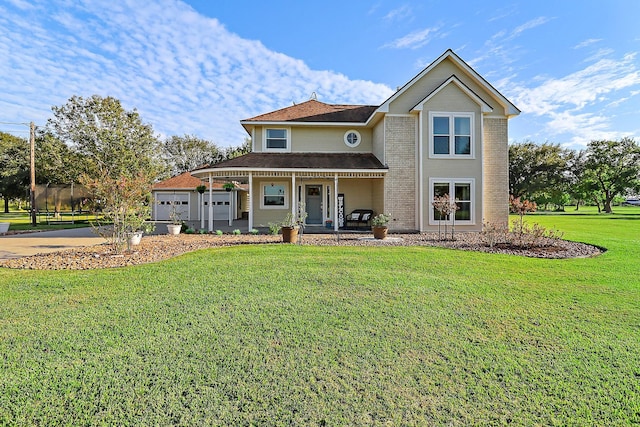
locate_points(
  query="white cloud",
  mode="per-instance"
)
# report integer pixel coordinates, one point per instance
(564, 100)
(415, 39)
(398, 14)
(586, 43)
(185, 73)
(528, 26)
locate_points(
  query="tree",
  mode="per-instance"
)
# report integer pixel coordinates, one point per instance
(185, 153)
(538, 169)
(121, 157)
(613, 167)
(233, 152)
(56, 163)
(14, 167)
(112, 140)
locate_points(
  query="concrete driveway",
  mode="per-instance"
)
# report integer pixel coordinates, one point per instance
(24, 244)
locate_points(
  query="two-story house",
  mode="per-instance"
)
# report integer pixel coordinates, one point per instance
(444, 132)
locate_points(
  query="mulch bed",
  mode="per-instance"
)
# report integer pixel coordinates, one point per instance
(157, 248)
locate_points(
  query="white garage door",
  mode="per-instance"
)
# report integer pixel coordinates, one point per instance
(164, 202)
(221, 202)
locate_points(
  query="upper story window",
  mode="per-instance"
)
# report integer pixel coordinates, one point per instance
(352, 138)
(451, 135)
(277, 140)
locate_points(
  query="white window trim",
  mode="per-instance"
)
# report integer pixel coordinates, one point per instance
(346, 142)
(287, 149)
(452, 182)
(286, 195)
(451, 116)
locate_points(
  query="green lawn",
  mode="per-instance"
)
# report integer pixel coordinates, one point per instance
(295, 335)
(22, 221)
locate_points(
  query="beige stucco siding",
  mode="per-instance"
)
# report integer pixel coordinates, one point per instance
(358, 193)
(314, 139)
(378, 141)
(262, 217)
(451, 99)
(400, 183)
(429, 82)
(328, 139)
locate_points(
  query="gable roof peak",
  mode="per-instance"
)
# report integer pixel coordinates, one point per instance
(509, 107)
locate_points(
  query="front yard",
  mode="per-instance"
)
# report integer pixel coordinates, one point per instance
(281, 335)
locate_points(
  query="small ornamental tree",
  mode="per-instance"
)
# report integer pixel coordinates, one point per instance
(445, 207)
(520, 207)
(125, 204)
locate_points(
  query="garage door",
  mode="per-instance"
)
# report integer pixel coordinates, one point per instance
(221, 202)
(164, 202)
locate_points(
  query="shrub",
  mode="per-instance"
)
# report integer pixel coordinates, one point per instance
(219, 232)
(236, 232)
(274, 228)
(494, 233)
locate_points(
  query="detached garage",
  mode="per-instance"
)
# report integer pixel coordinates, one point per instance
(192, 205)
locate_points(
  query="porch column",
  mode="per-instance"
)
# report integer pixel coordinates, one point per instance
(294, 195)
(231, 210)
(335, 202)
(201, 210)
(210, 203)
(250, 201)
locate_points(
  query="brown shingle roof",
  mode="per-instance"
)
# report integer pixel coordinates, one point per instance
(186, 181)
(302, 161)
(316, 111)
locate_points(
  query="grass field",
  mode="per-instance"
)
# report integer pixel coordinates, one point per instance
(22, 221)
(296, 335)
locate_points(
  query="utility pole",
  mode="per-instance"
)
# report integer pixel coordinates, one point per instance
(32, 143)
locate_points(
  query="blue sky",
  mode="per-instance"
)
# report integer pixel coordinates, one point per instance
(199, 66)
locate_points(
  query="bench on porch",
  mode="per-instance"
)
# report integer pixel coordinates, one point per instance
(359, 218)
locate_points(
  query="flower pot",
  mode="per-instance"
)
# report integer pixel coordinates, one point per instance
(4, 227)
(289, 234)
(135, 238)
(380, 232)
(174, 229)
(228, 190)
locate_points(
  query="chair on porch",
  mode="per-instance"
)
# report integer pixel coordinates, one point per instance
(359, 219)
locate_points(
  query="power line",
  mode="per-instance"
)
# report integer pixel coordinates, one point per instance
(15, 123)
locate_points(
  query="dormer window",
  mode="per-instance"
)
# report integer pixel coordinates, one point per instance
(277, 139)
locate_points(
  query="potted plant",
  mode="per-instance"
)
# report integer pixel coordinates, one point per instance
(379, 225)
(201, 189)
(228, 186)
(135, 223)
(176, 220)
(292, 223)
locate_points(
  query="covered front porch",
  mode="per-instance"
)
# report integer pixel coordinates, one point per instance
(327, 196)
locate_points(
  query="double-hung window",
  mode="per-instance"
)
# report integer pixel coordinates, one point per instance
(274, 196)
(276, 139)
(460, 191)
(451, 134)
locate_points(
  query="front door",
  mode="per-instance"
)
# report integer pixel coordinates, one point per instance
(313, 204)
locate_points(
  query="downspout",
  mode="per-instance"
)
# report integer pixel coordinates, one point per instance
(420, 175)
